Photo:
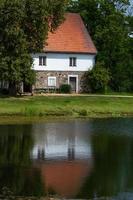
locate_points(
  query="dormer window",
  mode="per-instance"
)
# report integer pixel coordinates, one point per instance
(42, 60)
(72, 61)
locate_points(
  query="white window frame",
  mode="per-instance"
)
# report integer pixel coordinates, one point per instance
(73, 61)
(42, 60)
(49, 84)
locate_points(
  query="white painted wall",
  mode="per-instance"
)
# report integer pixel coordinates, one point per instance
(60, 62)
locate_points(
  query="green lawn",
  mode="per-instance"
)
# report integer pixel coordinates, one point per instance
(70, 106)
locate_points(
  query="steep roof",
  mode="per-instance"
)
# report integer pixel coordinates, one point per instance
(70, 37)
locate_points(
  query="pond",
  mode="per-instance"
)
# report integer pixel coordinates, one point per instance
(79, 159)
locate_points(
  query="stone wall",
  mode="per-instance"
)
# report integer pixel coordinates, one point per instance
(61, 78)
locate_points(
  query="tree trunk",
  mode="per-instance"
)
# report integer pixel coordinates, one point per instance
(12, 89)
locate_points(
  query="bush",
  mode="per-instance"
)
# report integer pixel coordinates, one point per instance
(95, 80)
(65, 88)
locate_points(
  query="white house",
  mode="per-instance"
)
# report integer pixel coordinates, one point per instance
(68, 54)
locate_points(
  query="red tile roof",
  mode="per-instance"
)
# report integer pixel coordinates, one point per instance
(70, 37)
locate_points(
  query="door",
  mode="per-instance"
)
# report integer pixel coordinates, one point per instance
(73, 83)
(27, 88)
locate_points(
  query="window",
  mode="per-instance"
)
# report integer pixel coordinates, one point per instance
(52, 81)
(73, 61)
(42, 60)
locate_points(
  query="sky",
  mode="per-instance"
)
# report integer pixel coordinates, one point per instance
(130, 11)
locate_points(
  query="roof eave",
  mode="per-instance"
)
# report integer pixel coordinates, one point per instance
(70, 52)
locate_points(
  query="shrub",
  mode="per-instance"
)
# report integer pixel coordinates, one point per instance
(65, 88)
(95, 80)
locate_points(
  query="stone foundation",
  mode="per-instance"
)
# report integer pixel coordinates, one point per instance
(61, 78)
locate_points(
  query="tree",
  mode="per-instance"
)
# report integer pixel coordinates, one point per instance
(95, 80)
(13, 46)
(106, 21)
(24, 27)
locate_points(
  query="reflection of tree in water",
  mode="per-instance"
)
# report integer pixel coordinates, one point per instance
(113, 167)
(16, 143)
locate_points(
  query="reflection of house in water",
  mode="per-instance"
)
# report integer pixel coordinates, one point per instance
(66, 141)
(63, 154)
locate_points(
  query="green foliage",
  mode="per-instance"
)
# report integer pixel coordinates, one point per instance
(109, 27)
(65, 88)
(123, 76)
(24, 27)
(95, 80)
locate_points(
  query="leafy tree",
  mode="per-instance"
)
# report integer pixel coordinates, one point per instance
(24, 27)
(106, 21)
(14, 57)
(95, 80)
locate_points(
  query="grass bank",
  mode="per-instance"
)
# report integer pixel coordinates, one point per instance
(66, 106)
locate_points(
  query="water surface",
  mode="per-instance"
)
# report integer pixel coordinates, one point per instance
(72, 159)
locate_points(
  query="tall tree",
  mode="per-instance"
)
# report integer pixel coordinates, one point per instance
(15, 61)
(24, 27)
(106, 22)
